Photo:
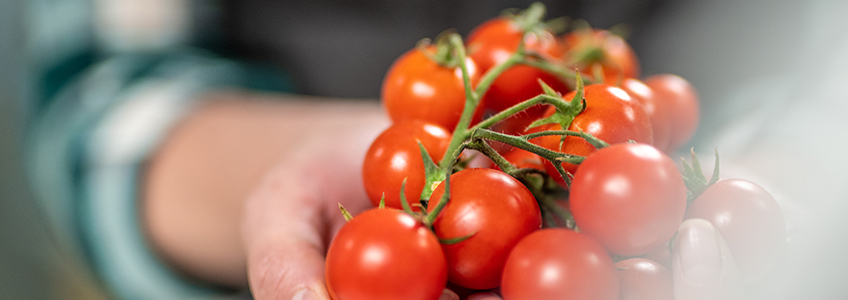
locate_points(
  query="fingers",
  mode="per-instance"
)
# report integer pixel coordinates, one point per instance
(283, 238)
(702, 265)
(291, 216)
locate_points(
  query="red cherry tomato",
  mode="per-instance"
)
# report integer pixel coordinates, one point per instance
(559, 264)
(749, 220)
(657, 112)
(497, 209)
(395, 155)
(418, 88)
(590, 47)
(385, 254)
(630, 197)
(610, 115)
(644, 279)
(492, 43)
(680, 101)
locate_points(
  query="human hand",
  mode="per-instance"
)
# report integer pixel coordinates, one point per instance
(293, 214)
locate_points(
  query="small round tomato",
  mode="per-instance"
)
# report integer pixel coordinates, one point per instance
(610, 115)
(559, 264)
(749, 220)
(385, 254)
(680, 101)
(644, 95)
(492, 43)
(585, 48)
(497, 209)
(394, 156)
(418, 88)
(644, 279)
(630, 197)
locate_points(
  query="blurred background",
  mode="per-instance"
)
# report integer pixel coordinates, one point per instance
(771, 76)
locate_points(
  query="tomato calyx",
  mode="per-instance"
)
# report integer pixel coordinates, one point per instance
(442, 53)
(693, 177)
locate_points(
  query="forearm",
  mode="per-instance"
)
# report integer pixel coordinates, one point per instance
(197, 181)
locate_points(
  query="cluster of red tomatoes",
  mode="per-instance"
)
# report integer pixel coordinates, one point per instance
(578, 194)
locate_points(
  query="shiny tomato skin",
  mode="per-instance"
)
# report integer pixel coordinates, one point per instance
(497, 209)
(418, 88)
(749, 220)
(630, 197)
(643, 279)
(680, 101)
(492, 43)
(557, 264)
(658, 113)
(618, 60)
(394, 155)
(385, 254)
(610, 115)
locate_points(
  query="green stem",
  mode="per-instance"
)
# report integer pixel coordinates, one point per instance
(596, 142)
(522, 143)
(484, 147)
(500, 116)
(558, 211)
(563, 73)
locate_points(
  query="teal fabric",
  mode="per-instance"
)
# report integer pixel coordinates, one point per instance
(86, 162)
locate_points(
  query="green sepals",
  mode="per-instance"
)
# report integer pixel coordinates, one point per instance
(443, 53)
(382, 201)
(345, 213)
(432, 173)
(456, 240)
(403, 203)
(548, 89)
(558, 25)
(694, 179)
(530, 19)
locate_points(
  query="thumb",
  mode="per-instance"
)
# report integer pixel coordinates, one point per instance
(702, 265)
(283, 239)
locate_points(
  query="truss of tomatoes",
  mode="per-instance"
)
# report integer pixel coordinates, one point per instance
(579, 194)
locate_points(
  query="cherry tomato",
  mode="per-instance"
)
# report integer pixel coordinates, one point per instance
(395, 155)
(385, 254)
(644, 279)
(630, 197)
(497, 209)
(749, 220)
(492, 43)
(657, 112)
(610, 115)
(585, 48)
(680, 101)
(418, 88)
(559, 264)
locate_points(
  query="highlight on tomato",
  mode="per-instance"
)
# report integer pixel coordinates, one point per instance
(420, 86)
(680, 101)
(394, 156)
(610, 115)
(749, 220)
(385, 254)
(559, 264)
(630, 197)
(492, 209)
(585, 48)
(491, 43)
